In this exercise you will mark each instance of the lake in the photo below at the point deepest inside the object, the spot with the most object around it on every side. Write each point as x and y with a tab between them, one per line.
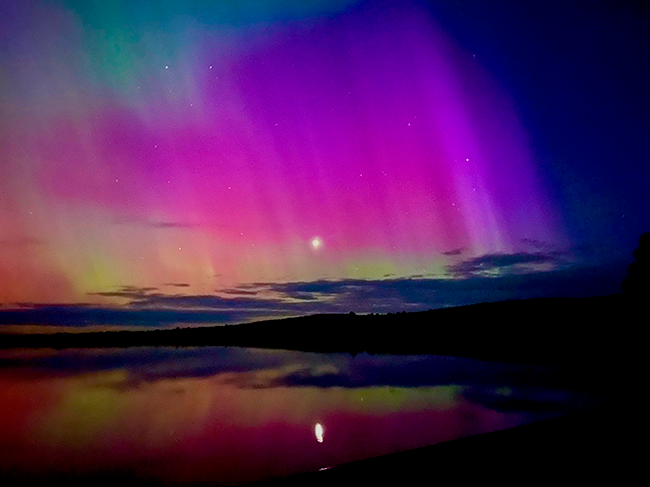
234	415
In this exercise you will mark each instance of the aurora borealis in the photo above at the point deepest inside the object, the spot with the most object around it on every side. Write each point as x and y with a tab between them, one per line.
261	155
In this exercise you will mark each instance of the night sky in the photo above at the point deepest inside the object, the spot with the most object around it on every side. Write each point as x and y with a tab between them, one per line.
198	162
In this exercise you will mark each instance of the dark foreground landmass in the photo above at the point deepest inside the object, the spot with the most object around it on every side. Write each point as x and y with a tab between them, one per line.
540	331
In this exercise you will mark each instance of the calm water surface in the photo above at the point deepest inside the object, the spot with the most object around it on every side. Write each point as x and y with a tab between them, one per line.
233	415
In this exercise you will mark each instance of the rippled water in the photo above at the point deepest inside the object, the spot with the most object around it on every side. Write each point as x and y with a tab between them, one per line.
212	414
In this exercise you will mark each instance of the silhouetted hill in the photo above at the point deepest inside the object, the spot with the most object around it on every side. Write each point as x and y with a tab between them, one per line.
548	331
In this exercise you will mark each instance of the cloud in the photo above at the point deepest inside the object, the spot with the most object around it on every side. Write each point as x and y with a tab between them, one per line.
453	252
240	292
498	264
86	315
173	225
537	244
127	292
156	223
495	277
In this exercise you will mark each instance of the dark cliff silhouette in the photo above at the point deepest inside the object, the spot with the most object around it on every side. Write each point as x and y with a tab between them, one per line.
637	283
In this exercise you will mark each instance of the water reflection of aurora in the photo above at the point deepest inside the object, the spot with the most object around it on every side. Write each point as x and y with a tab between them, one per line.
161	414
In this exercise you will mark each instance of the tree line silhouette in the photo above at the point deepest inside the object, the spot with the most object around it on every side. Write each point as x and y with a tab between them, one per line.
637	283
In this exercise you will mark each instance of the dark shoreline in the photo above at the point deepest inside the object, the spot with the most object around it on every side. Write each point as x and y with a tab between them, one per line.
586	447
582	447
551	331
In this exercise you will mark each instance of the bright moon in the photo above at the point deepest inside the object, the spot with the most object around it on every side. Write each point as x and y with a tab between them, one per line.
318	431
316	242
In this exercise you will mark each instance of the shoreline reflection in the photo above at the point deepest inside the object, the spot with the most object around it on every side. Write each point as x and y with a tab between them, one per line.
190	416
